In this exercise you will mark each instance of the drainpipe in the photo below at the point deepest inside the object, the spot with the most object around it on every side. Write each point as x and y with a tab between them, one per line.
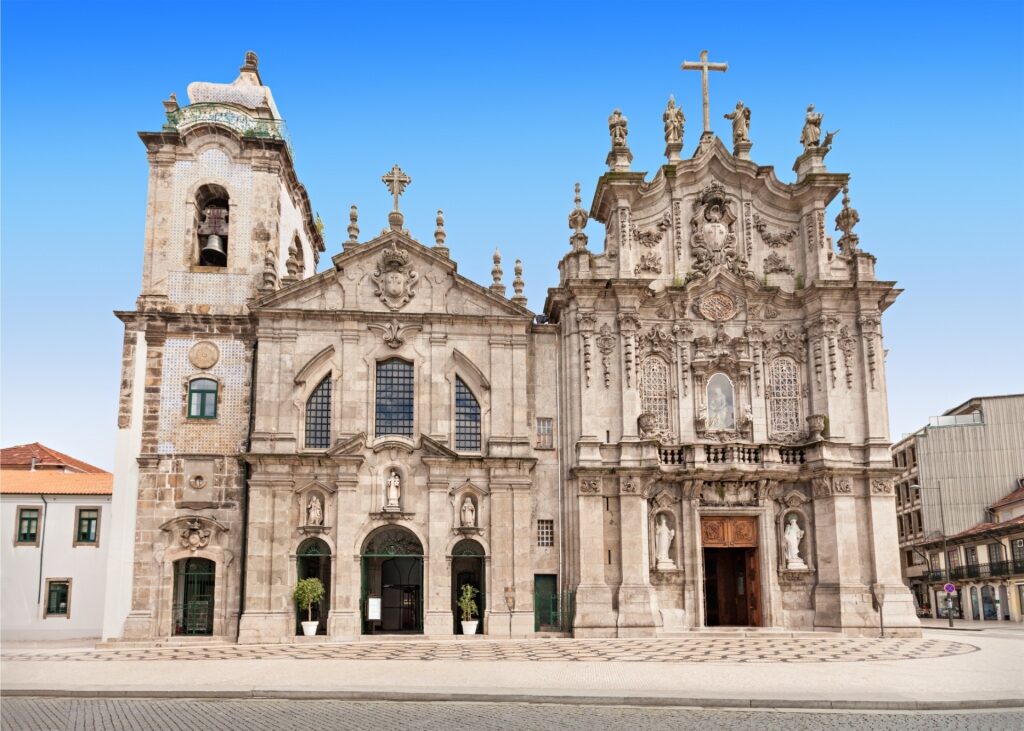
42	544
245	493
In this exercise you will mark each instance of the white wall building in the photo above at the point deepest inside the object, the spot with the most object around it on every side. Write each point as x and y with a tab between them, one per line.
53	531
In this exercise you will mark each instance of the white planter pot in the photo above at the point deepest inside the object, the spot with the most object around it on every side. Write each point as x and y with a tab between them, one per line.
469	628
309	628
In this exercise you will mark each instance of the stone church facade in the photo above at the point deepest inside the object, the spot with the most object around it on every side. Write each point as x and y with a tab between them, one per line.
693	433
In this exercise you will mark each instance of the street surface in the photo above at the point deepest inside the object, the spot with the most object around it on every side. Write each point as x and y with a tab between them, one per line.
58	714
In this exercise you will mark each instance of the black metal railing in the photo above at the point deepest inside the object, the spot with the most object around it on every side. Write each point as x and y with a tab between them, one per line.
990	570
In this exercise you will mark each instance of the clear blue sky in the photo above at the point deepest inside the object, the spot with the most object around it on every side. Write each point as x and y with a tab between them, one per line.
495	110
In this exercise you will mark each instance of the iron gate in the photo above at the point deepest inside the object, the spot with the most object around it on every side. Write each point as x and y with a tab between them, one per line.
193	596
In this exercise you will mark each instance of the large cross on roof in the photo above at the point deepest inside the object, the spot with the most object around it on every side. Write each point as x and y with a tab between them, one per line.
704	66
396	180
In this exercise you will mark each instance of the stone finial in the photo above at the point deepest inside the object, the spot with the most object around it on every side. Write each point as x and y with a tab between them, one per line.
674	123
496	286
250	71
171	103
577	220
620	157
440	235
353	225
269	283
252	61
845	221
518	284
292	265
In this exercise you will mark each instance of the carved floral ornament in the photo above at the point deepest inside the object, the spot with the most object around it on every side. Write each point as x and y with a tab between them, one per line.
393	333
881	487
204	355
590	486
394	278
716	306
827	485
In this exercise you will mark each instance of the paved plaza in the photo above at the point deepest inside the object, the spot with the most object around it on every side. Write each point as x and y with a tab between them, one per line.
49	714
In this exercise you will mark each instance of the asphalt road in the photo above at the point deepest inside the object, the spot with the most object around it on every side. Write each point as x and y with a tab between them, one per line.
60	714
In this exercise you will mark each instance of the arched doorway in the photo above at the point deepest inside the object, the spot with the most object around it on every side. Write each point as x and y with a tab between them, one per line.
468	568
313	560
988	603
193	596
392	582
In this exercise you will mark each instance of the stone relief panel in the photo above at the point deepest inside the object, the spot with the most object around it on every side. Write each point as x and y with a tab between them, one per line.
394	278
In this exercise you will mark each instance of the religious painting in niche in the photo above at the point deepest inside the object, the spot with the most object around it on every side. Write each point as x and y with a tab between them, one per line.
721	403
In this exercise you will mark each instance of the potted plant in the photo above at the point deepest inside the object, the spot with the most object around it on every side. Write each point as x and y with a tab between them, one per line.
468	608
307	593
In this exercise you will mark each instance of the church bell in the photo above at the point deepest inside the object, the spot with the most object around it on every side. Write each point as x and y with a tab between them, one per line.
214	253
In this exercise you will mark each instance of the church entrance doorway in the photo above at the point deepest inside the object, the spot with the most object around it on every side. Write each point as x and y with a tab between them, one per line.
314	561
392	582
193	596
732	586
468	568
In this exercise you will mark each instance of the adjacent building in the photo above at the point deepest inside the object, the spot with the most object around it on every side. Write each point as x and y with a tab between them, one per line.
55	524
692	434
955	475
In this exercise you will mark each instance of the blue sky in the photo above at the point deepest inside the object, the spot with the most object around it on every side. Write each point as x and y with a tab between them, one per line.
495	110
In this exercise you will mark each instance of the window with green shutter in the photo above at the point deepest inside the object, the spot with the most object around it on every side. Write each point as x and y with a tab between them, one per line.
58	597
28	525
88	526
202	399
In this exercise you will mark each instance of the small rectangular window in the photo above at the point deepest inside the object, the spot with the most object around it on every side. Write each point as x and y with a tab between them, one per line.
545	532
87	527
545	433
58	597
202	398
28	525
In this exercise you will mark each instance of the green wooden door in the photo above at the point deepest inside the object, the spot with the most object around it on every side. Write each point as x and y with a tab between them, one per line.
545	601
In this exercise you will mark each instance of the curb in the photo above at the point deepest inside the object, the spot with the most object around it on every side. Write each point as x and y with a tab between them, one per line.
579	700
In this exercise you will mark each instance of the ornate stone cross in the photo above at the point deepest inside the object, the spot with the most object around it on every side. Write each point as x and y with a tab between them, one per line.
396	180
703	66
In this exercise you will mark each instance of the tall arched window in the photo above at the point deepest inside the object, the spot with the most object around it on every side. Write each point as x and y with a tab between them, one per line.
467	418
654	391
318	416
784	397
394	398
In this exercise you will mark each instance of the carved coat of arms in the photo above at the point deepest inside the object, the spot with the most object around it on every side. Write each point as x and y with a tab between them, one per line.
394	278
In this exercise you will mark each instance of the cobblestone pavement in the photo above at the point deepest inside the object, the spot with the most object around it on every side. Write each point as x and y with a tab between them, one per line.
669	650
60	714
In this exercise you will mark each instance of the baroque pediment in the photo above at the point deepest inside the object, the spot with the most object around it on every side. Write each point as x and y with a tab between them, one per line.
392	274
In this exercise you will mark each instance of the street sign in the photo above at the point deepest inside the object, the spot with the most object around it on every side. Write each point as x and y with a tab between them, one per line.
949	588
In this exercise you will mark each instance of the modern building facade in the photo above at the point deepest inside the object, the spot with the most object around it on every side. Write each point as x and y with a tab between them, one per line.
694	433
952	474
54	553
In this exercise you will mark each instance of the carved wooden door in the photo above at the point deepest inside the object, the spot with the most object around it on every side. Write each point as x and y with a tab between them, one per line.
753	589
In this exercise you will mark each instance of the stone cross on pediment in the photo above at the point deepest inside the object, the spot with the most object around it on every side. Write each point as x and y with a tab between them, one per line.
396	181
704	66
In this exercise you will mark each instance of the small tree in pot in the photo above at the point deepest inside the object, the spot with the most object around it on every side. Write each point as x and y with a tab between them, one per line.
468	608
307	593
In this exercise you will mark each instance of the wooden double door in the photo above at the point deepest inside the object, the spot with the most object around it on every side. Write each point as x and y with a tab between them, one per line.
732	584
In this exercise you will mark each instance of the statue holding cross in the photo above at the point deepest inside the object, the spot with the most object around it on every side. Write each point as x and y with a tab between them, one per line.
704	66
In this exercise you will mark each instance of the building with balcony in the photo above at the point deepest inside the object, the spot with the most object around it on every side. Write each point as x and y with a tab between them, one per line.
971	455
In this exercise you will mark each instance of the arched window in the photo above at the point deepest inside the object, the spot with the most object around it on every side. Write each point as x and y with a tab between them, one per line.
202	398
784	397
654	392
467	418
212	225
318	416
394	398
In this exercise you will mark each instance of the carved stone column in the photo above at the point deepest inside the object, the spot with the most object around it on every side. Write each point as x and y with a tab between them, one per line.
638	605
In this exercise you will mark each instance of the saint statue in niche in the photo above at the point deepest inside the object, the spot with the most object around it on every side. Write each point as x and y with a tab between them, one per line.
393	493
315	512
663	536
468	514
721	407
793	535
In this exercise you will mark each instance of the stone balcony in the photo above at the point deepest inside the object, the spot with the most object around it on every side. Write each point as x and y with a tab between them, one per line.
236	118
745	457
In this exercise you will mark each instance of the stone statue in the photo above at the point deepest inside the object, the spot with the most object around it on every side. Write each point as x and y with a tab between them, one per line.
663	536
810	136
617	127
720	413
740	123
468	514
674	121
315	512
793	535
394	491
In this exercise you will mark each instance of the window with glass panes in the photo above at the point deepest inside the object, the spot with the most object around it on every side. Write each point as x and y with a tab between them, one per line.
88	524
318	416
467	418
28	525
202	398
545	532
58	598
545	433
394	398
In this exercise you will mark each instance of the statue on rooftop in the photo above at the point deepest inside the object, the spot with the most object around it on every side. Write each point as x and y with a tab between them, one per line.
740	123
810	136
618	128
674	121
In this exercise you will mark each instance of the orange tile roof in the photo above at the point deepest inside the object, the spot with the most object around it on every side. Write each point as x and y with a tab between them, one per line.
23	454
983	527
1013	497
55	483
